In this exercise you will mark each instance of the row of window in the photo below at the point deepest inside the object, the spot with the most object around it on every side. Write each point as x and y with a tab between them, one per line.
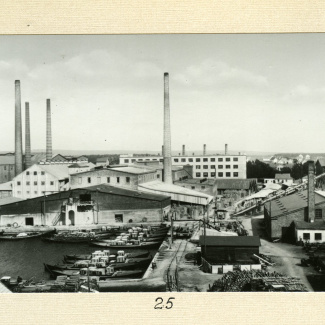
35	173
35	183
219	174
203	159
134	160
35	192
306	236
214	166
99	180
5	168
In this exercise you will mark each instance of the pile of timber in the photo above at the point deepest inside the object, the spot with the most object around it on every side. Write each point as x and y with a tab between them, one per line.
256	280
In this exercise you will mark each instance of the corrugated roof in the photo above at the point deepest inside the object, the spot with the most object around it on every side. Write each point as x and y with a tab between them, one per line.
132	170
197	181
234	184
283	176
290	203
60	171
105	188
241	241
317	225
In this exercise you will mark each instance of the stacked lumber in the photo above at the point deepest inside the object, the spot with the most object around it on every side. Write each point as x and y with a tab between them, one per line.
256	280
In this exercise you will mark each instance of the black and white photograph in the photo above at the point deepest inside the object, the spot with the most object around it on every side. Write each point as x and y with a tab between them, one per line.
162	163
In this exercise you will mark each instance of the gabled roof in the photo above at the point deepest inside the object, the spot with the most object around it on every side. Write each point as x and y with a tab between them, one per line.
10	199
317	225
230	241
7	160
59	171
287	204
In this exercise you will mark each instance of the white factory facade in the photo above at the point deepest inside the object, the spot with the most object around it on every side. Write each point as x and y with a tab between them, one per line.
204	166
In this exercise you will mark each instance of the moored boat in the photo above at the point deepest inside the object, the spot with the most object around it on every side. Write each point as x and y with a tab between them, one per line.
126	246
26	235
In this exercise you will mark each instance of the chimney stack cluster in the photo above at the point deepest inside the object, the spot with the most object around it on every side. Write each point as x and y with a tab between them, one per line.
18	132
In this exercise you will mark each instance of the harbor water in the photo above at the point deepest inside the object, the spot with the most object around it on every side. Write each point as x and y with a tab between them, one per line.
25	258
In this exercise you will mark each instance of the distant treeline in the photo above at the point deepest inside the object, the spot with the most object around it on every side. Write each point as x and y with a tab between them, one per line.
113	159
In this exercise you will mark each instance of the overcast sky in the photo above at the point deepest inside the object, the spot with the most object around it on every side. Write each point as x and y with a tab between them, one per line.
254	92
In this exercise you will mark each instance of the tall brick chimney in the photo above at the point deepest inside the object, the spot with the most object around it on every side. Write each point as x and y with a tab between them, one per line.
162	150
48	131
204	149
18	130
226	149
183	150
28	154
167	136
311	192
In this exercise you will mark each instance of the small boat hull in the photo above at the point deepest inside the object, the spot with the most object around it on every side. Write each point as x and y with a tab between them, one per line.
142	245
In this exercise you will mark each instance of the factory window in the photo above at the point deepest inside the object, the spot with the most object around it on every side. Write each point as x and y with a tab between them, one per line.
27	173
198	159
220	159
128	179
198	167
198	174
220	166
133	160
161	160
158	176
318	214
235	166
213	174
27	192
176	159
126	160
205	166
318	236
235	159
119	218
89	180
117	179
35	192
183	160
12	167
202	187
35	173
108	180
35	183
227	166
220	174
213	166
212	159
140	159
227	159
193	187
18	183
43	192
227	174
42	183
205	159
42	173
235	174
306	236
29	221
5	167
205	174
190	159
52	183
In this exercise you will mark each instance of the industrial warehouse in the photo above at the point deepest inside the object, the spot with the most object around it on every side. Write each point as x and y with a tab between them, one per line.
140	216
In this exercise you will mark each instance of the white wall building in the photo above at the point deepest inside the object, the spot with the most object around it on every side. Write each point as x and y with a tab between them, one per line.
204	166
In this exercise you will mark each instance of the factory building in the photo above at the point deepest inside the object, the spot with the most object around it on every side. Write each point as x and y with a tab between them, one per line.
204	166
100	204
7	167
120	176
291	216
5	190
66	159
39	180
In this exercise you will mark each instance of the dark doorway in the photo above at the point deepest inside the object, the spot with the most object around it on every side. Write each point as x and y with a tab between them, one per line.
71	217
29	221
119	218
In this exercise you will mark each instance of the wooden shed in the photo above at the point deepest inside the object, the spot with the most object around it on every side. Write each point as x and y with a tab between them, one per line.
230	250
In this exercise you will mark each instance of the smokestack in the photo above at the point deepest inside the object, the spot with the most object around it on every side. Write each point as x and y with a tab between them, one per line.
204	149
28	154
311	192
48	131
162	150
167	139
226	149
183	150
18	131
